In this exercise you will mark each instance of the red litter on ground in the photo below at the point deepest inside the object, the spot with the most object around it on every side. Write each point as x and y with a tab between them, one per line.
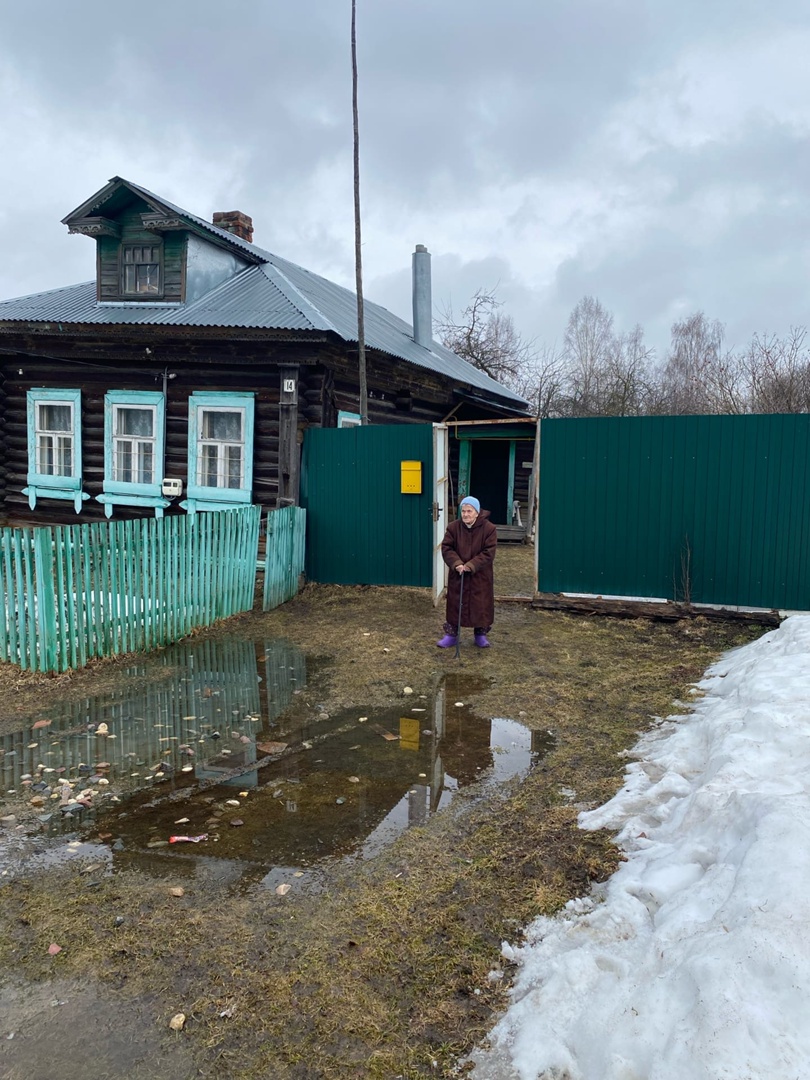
188	839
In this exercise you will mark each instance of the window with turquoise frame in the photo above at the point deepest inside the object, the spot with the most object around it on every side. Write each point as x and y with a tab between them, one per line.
134	442
349	419
220	450
54	446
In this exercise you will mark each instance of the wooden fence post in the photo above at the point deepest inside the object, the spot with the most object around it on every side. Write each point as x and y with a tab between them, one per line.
47	630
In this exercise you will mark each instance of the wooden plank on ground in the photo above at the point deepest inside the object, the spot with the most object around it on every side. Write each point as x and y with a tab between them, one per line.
645	609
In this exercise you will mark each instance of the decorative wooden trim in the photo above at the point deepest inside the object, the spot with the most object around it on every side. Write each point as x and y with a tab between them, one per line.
161	223
95	226
110	501
36	491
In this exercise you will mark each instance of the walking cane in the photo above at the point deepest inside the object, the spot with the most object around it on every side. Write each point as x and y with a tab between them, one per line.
458	627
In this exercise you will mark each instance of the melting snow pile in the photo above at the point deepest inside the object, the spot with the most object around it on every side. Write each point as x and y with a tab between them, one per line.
693	960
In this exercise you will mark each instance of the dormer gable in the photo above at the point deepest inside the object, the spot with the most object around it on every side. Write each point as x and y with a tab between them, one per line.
149	251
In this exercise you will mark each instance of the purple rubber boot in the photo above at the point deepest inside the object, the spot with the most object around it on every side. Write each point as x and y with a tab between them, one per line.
482	641
449	641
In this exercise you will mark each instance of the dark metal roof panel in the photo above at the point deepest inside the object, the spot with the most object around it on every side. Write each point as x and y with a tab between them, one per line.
383	330
69	304
276	296
248	300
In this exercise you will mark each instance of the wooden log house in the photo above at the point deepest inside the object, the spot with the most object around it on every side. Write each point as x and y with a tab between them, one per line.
184	377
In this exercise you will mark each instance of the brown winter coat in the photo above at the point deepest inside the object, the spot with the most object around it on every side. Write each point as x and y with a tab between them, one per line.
476	547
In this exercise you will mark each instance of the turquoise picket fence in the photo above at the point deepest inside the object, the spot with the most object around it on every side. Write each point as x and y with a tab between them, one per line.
72	593
284	558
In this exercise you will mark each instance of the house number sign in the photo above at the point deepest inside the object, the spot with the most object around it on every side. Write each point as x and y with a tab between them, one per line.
289	386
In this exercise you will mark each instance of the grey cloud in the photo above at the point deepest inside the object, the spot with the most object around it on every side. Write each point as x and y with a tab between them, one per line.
455	99
465	90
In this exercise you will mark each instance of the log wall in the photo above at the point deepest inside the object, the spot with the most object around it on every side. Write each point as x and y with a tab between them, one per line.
327	384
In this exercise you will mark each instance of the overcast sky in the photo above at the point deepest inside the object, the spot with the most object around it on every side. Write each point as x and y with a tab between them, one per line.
651	153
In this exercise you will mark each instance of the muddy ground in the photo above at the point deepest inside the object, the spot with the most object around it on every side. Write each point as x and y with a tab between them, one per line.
384	971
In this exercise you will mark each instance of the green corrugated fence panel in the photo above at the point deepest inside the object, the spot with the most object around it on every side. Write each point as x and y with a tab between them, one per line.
70	593
712	509
361	528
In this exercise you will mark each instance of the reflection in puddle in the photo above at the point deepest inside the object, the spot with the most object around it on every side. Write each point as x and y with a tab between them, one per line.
205	768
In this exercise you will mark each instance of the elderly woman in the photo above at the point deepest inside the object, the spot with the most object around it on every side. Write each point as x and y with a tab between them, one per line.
468	549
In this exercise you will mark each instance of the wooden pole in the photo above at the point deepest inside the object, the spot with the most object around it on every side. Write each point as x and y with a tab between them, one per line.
358	259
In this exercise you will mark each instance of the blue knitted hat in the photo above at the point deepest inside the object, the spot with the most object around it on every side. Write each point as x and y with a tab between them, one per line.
469	500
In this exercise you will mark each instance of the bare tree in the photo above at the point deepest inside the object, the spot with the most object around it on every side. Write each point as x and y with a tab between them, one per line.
771	375
778	373
587	347
486	337
728	385
689	377
626	386
608	374
542	382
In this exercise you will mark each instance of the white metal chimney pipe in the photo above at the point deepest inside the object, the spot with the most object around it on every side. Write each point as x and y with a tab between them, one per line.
422	297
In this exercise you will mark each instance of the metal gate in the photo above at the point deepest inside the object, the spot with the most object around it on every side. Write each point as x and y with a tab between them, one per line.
362	527
708	509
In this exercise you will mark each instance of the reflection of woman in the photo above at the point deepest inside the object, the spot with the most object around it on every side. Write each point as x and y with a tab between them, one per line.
468	549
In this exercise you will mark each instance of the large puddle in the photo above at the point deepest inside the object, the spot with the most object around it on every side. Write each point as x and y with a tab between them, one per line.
212	758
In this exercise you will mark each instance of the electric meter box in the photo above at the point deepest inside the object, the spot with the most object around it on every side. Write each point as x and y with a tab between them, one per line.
411	473
172	489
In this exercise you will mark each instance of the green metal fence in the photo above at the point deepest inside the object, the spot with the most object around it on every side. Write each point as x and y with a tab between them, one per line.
708	509
362	528
284	556
71	593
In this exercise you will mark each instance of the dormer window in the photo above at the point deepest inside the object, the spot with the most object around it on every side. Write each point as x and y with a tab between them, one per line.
141	270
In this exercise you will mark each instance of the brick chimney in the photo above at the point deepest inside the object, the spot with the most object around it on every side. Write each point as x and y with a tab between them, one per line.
234	221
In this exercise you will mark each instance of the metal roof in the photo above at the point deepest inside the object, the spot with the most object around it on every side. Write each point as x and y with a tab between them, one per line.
275	295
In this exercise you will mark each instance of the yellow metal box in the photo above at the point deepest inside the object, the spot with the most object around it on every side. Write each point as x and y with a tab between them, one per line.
411	477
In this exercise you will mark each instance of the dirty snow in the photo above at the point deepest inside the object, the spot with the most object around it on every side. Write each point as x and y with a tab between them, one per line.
693	960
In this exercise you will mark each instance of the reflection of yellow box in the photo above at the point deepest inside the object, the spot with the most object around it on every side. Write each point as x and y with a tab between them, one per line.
409	733
411	477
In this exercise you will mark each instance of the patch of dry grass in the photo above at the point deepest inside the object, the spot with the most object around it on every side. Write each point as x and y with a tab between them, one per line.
384	972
